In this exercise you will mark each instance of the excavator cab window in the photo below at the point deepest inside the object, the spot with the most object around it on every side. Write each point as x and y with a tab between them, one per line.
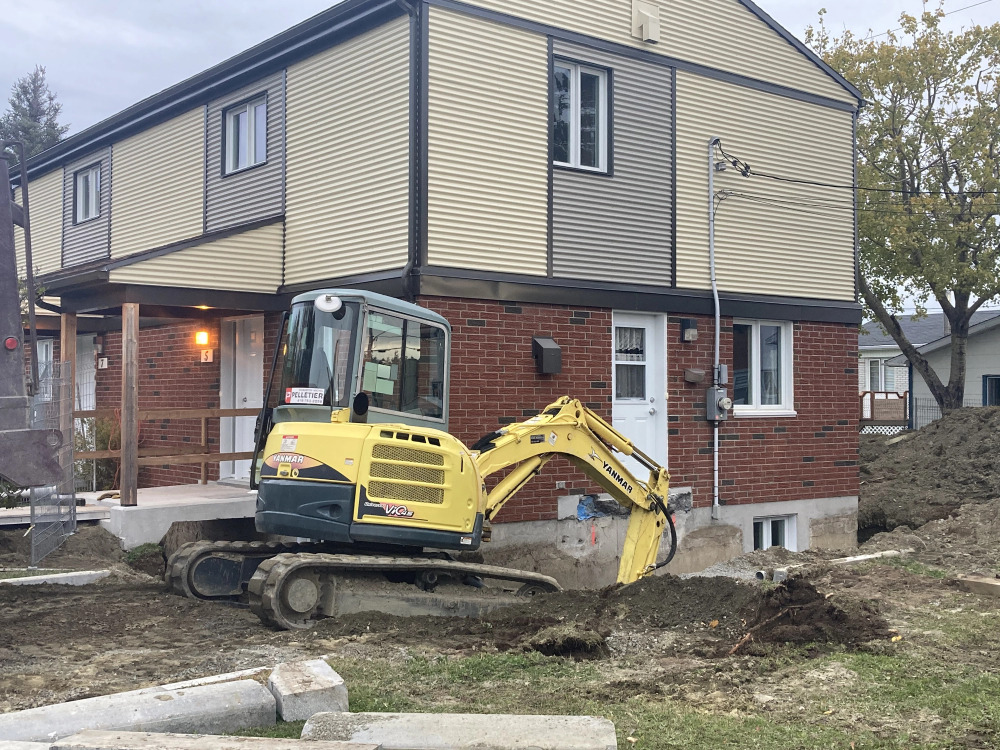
403	365
319	359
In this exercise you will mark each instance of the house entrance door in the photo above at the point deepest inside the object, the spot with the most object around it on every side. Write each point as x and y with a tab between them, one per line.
241	387
639	408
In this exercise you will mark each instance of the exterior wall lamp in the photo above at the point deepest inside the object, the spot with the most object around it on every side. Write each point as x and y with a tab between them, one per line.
201	338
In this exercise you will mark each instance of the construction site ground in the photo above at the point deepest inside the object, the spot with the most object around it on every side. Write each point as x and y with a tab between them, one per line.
886	654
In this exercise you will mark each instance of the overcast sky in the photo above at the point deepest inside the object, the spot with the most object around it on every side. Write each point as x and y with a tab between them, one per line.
103	55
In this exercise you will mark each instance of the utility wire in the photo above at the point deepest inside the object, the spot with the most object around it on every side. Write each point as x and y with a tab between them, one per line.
950	12
747	171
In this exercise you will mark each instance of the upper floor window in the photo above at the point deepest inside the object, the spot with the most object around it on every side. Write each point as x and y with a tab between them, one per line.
245	140
762	368
580	116
87	190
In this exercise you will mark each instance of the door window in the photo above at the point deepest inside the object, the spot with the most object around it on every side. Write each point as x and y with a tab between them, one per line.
630	363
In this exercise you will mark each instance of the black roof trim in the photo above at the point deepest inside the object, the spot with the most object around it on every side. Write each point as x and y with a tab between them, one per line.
346	19
791	39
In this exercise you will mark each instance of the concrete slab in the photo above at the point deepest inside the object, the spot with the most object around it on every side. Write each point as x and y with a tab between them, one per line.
465	731
304	688
980	585
13	745
158	507
75	578
22	516
97	740
227	707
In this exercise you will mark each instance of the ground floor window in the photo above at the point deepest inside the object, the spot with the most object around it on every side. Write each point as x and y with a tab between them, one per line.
774	531
991	390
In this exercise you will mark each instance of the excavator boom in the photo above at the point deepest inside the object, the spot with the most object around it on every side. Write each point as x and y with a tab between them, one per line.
568	428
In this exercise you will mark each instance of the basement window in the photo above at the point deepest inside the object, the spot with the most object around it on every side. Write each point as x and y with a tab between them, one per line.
774	531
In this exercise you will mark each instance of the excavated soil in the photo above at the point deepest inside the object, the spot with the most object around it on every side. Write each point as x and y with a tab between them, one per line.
931	473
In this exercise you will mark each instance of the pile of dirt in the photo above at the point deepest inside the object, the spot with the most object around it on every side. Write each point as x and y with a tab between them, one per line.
708	616
930	474
795	612
90	547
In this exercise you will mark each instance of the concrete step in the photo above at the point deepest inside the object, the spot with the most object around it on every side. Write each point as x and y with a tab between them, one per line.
464	731
210	709
95	740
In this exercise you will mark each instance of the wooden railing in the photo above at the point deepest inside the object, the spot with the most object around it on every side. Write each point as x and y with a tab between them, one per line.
195	454
885	407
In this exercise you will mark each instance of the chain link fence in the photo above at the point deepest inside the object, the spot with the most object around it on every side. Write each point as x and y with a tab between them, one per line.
53	508
926	410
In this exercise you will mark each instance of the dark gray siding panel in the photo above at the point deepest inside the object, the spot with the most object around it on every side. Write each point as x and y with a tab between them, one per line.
254	193
619	227
87	241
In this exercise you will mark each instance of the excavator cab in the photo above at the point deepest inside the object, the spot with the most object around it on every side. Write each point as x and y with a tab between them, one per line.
356	449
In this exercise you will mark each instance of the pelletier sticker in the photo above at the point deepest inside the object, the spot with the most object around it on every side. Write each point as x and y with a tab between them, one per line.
313	396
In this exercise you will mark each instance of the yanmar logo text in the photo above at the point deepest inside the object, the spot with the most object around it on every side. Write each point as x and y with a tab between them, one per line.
288	458
617	477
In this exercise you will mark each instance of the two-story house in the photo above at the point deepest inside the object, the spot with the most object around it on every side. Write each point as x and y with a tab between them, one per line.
526	168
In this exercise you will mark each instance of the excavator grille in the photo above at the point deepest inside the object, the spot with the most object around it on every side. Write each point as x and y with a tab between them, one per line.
408	455
408	465
413	493
407	473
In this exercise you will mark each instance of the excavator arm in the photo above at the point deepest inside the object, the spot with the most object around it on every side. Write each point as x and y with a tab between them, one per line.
568	428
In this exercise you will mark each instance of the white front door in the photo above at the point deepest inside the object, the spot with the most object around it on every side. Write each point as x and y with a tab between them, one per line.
241	387
639	409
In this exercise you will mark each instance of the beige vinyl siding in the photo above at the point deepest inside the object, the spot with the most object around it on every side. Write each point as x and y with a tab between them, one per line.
45	199
347	189
157	188
248	262
487	146
720	34
782	247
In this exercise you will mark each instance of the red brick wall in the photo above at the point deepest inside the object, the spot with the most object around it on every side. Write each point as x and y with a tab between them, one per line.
494	381
171	376
813	455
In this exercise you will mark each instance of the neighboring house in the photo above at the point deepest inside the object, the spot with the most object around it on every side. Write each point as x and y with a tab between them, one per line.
524	167
877	349
982	368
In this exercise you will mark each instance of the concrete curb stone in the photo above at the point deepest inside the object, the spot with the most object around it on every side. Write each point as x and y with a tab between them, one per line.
225	707
304	688
96	740
465	731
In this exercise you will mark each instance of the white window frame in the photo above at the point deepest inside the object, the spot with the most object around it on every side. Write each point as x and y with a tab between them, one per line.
791	543
231	145
574	128
786	408
87	194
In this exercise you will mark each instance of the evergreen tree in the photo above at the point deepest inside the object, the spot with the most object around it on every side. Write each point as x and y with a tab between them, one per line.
33	114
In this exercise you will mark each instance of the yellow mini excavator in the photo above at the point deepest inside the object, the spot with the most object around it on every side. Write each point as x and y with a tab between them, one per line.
356	459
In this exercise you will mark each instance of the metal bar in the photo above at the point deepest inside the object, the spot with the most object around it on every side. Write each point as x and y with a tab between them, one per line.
174	415
29	270
204	445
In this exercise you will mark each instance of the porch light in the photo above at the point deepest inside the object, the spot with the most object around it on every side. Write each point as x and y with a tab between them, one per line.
201	338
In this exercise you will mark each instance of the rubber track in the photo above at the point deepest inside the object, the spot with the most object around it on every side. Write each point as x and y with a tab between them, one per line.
184	558
265	585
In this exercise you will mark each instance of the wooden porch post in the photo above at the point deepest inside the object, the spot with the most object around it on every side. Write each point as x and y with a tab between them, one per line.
130	404
67	353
